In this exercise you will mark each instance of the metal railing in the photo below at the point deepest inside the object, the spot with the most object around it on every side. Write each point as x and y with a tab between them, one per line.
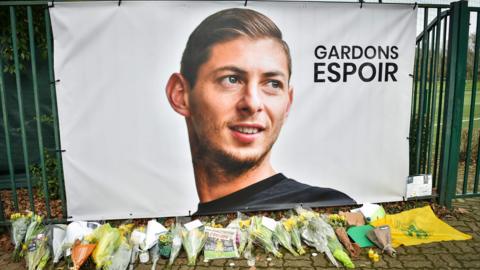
30	137
29	133
445	83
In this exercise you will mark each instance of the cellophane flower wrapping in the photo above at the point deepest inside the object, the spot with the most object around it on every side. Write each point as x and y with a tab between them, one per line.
284	238
263	237
193	241
333	244
248	252
176	243
38	252
137	239
80	253
292	226
34	228
241	224
314	231
121	257
108	241
57	234
165	244
19	229
155	255
338	252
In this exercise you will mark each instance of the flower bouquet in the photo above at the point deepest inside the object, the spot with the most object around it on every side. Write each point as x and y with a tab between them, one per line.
263	237
338	252
283	237
313	232
241	224
108	240
34	228
176	242
333	244
80	253
339	222
19	229
165	244
38	252
292	226
155	255
137	238
56	236
121	257
193	241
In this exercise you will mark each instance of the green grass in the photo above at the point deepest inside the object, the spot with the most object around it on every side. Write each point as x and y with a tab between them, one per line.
466	105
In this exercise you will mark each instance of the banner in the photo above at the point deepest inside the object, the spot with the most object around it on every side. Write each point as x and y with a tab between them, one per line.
341	112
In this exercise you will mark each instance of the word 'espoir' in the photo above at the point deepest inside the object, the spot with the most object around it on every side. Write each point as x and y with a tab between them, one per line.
370	63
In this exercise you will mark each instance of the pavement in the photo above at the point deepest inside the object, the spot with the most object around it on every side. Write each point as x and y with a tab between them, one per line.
441	255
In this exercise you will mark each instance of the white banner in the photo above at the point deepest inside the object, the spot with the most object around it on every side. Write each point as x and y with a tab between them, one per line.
127	151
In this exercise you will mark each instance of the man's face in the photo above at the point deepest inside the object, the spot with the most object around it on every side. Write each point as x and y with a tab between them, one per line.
240	100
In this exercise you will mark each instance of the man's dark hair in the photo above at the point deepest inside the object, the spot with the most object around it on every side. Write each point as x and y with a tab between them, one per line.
223	26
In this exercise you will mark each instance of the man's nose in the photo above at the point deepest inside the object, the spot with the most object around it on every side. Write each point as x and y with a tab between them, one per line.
251	101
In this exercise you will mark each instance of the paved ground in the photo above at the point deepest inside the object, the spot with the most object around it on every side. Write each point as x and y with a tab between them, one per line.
444	255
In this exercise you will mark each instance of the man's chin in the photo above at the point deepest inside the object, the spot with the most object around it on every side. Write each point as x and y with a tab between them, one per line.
239	163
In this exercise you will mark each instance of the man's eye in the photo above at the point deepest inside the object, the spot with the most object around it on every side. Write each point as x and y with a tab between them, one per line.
275	84
231	80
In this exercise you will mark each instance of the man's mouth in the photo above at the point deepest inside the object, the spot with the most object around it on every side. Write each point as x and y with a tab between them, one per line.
246	130
246	133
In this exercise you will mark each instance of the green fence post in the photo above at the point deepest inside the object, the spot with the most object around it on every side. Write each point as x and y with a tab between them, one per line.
456	75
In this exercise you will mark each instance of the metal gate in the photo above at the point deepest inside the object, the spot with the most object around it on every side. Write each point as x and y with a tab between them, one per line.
444	129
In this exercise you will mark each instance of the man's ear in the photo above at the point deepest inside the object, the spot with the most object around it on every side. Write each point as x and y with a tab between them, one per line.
177	90
290	100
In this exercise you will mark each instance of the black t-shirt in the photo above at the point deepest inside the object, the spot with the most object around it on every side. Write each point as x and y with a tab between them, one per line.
274	193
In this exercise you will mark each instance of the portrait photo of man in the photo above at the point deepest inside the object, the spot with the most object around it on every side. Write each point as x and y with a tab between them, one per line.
234	91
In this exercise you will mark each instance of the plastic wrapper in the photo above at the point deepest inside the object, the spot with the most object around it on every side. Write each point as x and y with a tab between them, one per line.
56	235
337	250
176	243
37	251
292	226
109	240
248	252
241	224
153	231
121	257
154	255
263	237
34	229
78	230
165	244
19	230
284	238
137	238
80	253
220	243
314	232
193	241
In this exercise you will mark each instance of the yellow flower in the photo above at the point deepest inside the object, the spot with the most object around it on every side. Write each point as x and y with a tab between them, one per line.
244	223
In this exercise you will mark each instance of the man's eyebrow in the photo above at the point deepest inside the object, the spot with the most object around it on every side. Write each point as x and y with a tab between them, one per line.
230	68
241	71
275	74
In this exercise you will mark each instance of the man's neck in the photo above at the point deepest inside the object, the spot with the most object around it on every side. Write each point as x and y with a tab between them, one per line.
213	183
